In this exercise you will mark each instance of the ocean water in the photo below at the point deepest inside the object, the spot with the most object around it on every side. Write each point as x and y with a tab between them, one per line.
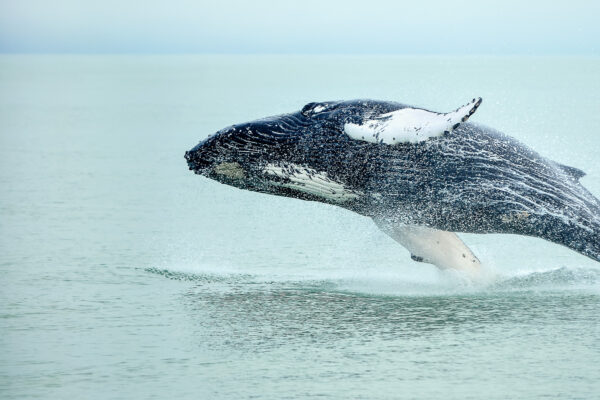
125	276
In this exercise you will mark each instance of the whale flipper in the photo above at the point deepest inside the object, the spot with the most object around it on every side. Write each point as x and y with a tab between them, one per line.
410	124
443	249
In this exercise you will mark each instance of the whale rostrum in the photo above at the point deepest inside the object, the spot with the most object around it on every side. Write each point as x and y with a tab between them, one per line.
422	176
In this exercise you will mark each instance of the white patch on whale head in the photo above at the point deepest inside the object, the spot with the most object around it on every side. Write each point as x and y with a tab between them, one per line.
310	181
231	170
409	124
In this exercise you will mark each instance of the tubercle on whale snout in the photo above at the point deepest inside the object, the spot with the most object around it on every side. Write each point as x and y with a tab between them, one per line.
190	162
195	163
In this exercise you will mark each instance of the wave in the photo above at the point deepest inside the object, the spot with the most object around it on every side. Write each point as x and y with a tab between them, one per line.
395	283
559	278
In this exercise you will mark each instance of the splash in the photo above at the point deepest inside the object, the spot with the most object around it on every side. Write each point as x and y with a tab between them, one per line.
396	282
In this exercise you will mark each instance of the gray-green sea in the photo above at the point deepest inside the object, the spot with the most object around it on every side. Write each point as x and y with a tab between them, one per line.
125	276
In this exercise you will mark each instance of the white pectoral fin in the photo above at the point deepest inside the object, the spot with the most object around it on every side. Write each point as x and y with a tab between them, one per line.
410	124
443	249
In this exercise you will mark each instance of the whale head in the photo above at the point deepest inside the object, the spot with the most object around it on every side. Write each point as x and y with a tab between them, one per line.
240	155
304	155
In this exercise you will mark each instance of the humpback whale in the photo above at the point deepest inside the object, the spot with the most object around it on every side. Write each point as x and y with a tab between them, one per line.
422	176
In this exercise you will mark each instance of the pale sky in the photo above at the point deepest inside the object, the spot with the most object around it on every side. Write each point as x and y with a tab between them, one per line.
307	26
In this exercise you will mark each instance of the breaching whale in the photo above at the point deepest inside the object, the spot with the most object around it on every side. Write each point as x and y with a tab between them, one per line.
420	175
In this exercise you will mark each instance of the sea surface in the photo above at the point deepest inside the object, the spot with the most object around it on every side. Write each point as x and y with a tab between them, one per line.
125	276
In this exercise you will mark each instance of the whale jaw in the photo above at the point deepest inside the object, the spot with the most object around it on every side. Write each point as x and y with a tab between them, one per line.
309	181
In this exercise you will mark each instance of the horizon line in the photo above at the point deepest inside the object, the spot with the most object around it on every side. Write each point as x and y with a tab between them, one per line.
424	54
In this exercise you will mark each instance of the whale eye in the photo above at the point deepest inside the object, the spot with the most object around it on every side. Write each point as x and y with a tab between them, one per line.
313	108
